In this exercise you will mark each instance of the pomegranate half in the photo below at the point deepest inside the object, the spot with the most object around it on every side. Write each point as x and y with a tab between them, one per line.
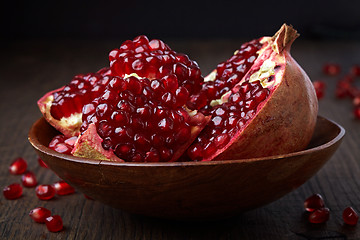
271	110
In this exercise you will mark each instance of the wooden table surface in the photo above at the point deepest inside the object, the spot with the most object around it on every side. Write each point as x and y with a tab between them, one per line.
28	69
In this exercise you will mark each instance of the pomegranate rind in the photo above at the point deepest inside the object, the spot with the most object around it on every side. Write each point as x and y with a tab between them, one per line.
286	120
69	126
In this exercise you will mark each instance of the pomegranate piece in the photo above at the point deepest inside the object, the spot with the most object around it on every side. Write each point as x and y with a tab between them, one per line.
28	179
319	215
40	214
45	192
42	163
155	60
62	144
62	188
18	166
262	101
331	69
319	88
350	216
62	107
138	120
13	191
314	202
54	223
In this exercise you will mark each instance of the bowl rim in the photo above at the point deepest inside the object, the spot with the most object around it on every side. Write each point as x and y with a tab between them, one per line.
40	147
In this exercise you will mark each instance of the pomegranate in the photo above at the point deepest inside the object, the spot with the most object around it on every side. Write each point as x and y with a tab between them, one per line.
40	214
45	191
54	223
350	216
18	166
320	215
62	107
314	202
274	102
62	144
63	188
13	191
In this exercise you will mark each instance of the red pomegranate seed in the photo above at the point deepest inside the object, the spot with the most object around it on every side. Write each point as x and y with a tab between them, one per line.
313	203
28	179
319	89
355	70
331	69
18	166
350	216
319	215
45	192
54	223
42	163
13	191
40	214
62	188
357	112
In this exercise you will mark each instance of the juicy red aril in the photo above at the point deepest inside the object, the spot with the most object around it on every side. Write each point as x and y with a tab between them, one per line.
314	202
230	72
13	191
45	192
42	163
227	119
319	215
40	214
62	188
155	60
28	179
137	126
331	69
80	91
319	89
350	216
61	144
54	223
18	166
357	112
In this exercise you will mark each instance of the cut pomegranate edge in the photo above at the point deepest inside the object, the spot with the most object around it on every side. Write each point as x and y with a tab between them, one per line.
275	51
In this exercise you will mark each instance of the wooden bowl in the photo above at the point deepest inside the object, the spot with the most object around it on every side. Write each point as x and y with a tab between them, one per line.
190	190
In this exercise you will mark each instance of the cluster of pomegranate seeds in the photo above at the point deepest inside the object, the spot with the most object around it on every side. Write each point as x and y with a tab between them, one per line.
45	191
40	214
62	144
18	166
139	119
80	91
13	191
227	119
350	216
229	73
43	215
63	188
28	179
320	87
155	60
319	213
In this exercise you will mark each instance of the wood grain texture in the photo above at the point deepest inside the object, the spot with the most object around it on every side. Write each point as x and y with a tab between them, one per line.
28	69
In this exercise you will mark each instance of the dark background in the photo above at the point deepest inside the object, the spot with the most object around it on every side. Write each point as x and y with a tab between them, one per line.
112	19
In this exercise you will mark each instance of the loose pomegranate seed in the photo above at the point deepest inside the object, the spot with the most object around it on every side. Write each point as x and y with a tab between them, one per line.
40	214
350	216
319	215
356	101
331	69
62	188
355	70
319	89
13	191
42	163
18	166
28	179
54	223
45	192
314	202
357	112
